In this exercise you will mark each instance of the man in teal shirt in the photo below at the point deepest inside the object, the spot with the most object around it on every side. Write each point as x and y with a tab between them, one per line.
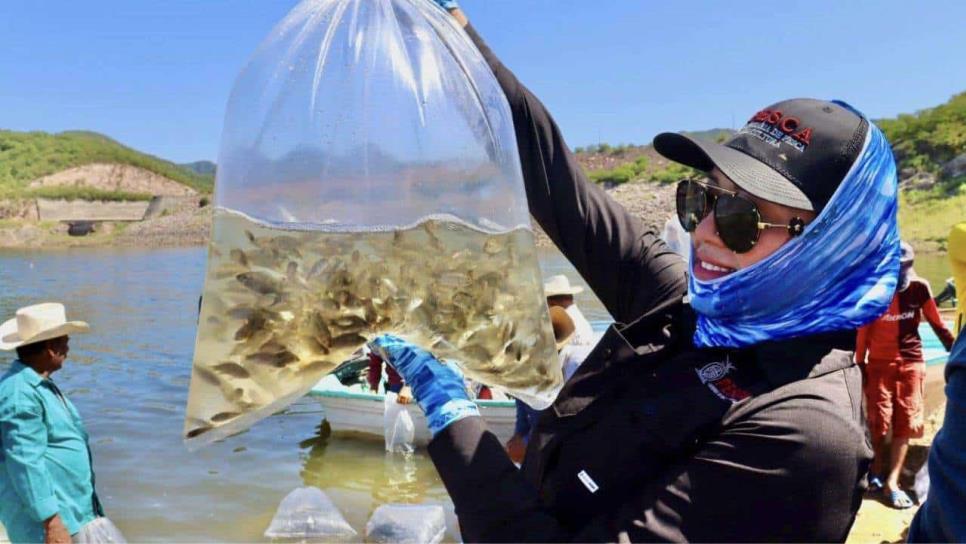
46	474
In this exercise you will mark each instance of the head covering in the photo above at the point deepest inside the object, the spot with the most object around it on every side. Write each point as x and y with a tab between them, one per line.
906	254
37	323
839	274
906	257
563	326
792	153
559	285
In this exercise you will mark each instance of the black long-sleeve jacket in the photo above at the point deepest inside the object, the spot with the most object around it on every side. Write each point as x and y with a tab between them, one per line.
652	438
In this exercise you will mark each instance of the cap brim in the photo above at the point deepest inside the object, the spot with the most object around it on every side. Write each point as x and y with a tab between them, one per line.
9	339
748	173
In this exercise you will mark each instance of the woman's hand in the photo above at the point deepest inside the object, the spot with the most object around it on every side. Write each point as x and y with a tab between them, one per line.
454	9
438	387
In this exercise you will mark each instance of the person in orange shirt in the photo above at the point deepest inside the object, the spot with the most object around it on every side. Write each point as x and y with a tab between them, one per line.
890	351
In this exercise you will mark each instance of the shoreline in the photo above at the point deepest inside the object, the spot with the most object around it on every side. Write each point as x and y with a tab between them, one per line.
190	226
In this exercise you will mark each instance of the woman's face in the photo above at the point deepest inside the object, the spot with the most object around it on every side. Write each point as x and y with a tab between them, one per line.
712	259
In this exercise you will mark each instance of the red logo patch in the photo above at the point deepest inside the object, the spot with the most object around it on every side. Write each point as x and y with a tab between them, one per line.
789	126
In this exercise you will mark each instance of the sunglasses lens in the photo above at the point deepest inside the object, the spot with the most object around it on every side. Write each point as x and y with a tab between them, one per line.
692	204
737	222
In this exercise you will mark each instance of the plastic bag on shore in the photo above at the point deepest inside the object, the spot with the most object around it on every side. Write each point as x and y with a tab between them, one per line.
99	531
921	485
368	182
308	515
400	432
407	523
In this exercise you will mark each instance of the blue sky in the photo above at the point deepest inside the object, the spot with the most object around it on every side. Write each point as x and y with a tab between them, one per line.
155	74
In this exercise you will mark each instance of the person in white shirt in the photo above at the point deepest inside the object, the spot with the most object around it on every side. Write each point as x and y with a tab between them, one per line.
560	293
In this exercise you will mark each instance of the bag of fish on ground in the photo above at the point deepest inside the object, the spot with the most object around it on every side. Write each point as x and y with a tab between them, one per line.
307	514
407	523
368	182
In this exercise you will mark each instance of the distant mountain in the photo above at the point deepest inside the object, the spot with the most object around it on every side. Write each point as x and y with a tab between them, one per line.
714	134
204	168
27	156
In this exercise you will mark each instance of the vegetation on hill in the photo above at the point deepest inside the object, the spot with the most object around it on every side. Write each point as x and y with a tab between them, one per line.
26	156
205	168
71	192
928	139
924	144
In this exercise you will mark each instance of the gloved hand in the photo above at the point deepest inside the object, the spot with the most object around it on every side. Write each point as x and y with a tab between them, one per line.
438	387
447	4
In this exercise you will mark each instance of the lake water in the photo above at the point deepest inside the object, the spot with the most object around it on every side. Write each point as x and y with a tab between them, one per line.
129	379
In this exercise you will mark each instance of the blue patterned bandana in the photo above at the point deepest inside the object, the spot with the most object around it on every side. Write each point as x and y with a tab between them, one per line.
839	274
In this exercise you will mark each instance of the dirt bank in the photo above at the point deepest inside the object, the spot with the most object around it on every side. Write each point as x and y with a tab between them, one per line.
190	226
184	224
115	177
187	225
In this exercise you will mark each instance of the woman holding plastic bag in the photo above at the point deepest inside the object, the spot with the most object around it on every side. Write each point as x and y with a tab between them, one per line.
730	415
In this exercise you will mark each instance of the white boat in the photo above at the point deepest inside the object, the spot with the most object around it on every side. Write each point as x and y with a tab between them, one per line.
353	410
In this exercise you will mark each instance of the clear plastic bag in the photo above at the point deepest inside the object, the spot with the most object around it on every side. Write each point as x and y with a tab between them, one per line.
400	432
676	238
407	523
921	485
99	531
368	182
308	515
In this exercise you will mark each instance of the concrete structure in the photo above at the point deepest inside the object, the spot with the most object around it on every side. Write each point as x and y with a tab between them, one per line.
19	209
82	210
161	204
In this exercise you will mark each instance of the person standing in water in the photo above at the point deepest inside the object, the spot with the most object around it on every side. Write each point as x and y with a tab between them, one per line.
890	351
46	474
724	404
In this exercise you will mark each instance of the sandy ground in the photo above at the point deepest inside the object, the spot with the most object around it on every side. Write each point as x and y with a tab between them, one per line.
877	522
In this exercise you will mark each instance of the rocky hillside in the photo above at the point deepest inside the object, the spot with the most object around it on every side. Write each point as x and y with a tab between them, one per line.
86	164
930	146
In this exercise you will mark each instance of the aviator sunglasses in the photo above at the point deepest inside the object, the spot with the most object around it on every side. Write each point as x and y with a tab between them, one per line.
736	218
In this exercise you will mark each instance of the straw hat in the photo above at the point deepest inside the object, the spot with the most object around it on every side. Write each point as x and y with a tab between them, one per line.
906	254
563	326
560	285
38	323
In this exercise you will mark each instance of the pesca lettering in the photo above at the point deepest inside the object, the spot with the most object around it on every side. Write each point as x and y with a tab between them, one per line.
788	125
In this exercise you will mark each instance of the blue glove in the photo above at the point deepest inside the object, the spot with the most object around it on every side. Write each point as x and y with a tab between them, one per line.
438	387
447	4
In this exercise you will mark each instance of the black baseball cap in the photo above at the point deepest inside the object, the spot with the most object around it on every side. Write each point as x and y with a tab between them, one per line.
793	153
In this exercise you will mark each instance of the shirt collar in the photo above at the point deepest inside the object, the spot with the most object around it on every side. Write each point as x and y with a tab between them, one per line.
785	361
29	374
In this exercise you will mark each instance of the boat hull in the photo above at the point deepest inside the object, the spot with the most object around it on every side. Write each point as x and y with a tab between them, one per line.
360	413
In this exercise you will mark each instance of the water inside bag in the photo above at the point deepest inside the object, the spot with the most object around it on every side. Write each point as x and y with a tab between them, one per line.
368	182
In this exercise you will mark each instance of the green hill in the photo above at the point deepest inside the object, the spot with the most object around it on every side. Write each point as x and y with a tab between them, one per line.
926	144
927	140
26	156
205	168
